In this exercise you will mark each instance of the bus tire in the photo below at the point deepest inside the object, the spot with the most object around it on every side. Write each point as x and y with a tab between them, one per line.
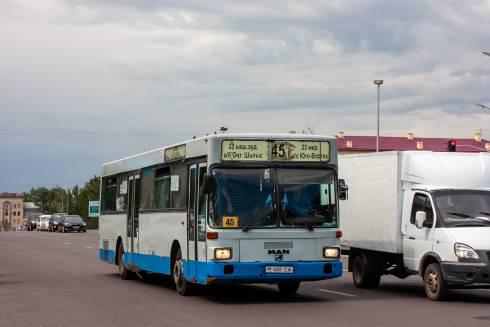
124	272
182	286
435	285
288	288
361	276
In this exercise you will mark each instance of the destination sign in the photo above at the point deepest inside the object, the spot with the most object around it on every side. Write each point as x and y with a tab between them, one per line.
305	151
244	150
175	153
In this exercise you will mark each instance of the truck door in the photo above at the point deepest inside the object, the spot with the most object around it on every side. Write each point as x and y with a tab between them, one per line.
418	241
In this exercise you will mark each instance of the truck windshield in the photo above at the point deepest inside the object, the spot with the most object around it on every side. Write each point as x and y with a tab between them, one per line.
463	208
248	198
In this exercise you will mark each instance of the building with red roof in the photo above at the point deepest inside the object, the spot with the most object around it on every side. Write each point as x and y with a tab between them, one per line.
356	144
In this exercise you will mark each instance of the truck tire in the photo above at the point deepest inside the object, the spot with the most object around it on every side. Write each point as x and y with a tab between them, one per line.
361	276
436	287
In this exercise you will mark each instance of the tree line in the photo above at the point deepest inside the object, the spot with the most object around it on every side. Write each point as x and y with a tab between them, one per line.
73	201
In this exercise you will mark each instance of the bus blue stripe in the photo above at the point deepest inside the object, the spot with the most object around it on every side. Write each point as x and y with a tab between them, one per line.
244	272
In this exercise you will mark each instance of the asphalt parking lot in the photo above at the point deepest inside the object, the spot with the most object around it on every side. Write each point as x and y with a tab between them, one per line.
52	279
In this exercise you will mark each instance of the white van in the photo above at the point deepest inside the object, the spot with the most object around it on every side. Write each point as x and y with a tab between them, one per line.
43	222
418	213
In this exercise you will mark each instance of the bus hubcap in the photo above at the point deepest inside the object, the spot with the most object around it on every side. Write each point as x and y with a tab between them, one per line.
178	272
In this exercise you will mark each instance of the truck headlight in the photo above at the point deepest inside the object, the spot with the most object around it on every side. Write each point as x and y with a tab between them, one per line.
464	251
331	253
222	254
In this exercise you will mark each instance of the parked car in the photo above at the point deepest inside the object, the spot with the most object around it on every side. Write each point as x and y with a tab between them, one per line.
72	223
32	223
55	221
42	224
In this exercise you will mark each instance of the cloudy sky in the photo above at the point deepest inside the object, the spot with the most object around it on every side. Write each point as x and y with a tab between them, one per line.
83	81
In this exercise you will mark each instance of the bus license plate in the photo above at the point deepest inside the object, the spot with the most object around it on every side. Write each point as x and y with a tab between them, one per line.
279	269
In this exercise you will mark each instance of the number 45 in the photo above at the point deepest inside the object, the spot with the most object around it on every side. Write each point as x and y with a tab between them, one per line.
278	150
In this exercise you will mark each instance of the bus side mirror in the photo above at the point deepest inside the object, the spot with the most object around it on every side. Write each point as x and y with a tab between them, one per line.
343	190
209	183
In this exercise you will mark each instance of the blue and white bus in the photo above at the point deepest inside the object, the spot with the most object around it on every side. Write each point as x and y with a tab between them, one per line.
237	208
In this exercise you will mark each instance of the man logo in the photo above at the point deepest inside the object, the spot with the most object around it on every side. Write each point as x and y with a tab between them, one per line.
278	251
279	257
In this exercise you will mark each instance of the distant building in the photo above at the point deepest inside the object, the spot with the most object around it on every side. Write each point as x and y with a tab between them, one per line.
12	206
359	144
31	210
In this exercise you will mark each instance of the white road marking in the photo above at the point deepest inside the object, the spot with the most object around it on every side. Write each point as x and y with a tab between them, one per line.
336	292
66	243
89	247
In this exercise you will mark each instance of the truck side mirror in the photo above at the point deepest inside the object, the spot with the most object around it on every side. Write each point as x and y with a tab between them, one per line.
209	183
343	190
420	217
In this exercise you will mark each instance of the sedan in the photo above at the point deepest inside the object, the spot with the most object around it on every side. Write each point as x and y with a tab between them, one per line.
72	223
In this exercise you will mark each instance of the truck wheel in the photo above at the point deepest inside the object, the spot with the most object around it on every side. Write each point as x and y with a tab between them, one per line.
124	272
361	277
182	286
288	288
435	285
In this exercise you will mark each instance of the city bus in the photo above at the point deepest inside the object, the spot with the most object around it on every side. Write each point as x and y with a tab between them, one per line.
225	208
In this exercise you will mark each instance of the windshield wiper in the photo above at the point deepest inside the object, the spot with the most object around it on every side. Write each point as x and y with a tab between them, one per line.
486	219
308	226
254	218
485	213
469	224
459	214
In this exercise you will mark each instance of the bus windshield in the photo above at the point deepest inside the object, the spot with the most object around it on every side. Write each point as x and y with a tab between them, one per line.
249	198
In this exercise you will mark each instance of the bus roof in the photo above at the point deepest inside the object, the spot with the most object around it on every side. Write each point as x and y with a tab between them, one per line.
196	147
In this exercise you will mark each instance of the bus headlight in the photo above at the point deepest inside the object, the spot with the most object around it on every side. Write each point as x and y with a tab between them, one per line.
331	253
464	251
222	254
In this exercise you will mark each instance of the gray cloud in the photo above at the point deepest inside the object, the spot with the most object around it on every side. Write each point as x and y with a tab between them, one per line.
181	68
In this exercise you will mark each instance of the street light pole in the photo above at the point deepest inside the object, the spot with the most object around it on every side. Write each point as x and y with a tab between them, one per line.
378	83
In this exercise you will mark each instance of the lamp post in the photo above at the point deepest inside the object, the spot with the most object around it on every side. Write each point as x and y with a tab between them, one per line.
378	83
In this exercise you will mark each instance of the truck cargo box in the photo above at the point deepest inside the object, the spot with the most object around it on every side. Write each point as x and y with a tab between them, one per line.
371	217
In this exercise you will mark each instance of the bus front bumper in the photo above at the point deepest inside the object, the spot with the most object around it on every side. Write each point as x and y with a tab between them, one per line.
255	272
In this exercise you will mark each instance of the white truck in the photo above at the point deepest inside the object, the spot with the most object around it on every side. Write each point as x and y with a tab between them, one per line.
418	212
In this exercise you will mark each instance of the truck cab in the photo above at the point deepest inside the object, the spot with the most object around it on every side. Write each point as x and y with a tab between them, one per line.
448	228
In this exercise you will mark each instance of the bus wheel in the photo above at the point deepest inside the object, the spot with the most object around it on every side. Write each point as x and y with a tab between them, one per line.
124	272
288	288
182	286
435	285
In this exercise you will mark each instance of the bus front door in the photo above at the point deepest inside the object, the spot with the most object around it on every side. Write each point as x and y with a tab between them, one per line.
133	214
196	225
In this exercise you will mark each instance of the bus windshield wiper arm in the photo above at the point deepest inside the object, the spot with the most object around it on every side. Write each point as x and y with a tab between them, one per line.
253	219
308	226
